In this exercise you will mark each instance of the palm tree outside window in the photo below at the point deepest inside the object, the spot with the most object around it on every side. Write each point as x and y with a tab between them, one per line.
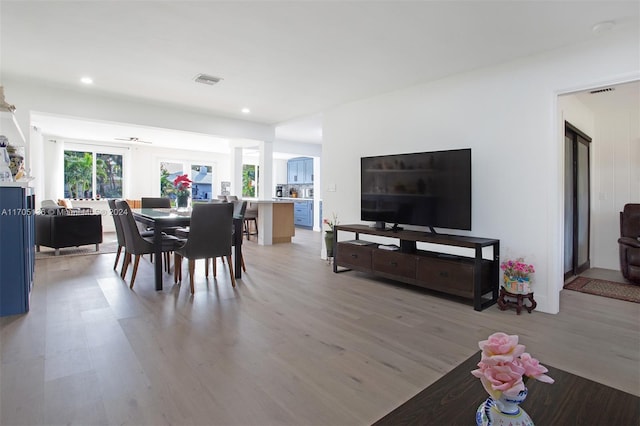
89	174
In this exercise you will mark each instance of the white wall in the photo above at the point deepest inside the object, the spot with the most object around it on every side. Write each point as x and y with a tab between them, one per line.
507	115
615	182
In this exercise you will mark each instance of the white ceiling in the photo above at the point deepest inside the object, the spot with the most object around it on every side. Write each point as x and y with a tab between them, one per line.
283	60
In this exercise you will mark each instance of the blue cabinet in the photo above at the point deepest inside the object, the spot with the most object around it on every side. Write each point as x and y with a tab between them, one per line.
300	170
17	248
303	213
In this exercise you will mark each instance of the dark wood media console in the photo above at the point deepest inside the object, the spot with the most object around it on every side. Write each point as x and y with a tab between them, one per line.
473	278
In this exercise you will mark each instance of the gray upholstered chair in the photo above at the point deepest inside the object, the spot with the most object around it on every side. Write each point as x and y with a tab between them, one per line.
119	233
251	215
155	203
136	244
209	237
629	242
239	209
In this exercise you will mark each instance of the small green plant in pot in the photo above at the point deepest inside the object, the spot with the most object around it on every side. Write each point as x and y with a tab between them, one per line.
328	236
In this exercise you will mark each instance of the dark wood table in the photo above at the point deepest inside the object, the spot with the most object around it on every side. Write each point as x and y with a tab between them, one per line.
571	400
161	219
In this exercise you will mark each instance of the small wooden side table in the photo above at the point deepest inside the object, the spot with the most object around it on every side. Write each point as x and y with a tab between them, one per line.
505	302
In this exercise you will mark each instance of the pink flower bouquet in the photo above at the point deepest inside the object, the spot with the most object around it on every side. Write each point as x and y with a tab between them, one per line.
504	362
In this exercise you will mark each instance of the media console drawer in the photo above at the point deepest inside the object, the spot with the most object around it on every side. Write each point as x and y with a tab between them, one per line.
396	263
354	256
454	277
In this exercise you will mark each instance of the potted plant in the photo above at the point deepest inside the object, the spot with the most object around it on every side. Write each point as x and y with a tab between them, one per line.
328	236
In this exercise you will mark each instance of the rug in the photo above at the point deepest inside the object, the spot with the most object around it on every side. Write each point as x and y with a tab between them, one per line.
628	292
105	247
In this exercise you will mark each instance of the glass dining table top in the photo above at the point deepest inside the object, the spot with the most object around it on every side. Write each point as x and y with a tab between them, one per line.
157	213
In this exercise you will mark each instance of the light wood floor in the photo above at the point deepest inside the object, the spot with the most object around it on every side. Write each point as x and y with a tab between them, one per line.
293	344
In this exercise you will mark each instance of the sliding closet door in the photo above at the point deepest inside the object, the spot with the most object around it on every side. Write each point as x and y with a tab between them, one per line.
577	201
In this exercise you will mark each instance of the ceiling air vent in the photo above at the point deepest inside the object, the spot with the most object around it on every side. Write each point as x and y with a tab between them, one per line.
207	79
606	89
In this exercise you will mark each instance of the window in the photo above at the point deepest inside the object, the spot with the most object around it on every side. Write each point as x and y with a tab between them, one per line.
90	172
200	174
201	188
168	172
249	180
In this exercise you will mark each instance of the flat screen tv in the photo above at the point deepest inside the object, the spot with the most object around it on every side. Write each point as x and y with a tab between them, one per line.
431	189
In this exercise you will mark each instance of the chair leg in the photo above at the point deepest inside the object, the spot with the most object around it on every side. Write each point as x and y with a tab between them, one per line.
135	270
125	266
233	277
206	266
242	261
215	268
192	269
167	261
177	268
124	259
115	264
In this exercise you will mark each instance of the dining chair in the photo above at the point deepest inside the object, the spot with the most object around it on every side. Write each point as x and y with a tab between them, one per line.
136	244
251	215
155	203
209	237
119	233
158	203
239	211
239	208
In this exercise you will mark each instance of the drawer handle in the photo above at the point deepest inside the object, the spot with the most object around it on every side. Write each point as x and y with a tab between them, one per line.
394	263
355	256
444	274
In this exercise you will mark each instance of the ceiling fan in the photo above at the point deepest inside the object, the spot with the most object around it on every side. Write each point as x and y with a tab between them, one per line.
132	139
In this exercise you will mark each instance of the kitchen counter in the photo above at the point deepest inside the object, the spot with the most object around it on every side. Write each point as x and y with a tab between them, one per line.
275	221
292	199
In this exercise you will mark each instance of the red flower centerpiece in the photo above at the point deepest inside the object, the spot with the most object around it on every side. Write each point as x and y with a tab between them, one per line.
181	186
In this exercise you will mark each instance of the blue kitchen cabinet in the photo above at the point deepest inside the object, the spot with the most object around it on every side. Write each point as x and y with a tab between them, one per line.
300	170
303	213
17	248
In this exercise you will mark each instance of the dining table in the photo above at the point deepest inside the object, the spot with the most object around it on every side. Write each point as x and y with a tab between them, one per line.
162	218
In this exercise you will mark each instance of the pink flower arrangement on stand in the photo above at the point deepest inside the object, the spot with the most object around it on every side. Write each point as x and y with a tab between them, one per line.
503	364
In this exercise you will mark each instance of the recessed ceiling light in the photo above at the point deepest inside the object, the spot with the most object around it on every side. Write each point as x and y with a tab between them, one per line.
86	80
246	110
603	27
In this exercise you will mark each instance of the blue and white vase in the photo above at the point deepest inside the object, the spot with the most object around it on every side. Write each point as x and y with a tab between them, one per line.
504	411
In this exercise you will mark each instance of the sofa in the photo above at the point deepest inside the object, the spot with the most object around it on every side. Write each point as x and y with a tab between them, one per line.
58	227
629	242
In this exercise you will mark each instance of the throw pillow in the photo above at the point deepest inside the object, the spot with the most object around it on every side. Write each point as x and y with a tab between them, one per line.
65	203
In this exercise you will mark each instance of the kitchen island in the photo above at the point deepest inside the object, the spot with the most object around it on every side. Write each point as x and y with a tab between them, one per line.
275	222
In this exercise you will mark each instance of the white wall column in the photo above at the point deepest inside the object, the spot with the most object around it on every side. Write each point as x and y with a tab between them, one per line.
236	171
265	188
